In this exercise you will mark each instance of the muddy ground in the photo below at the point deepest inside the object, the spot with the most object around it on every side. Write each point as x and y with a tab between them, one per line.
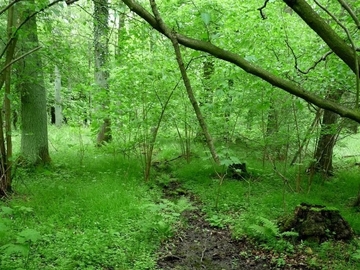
200	246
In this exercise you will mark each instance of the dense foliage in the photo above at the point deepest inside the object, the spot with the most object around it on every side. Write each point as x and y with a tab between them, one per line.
269	87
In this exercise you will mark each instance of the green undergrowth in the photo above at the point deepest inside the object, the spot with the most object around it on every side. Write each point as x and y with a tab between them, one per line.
251	207
89	210
92	210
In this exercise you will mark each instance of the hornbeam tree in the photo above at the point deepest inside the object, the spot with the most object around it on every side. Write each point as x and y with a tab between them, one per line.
345	51
34	136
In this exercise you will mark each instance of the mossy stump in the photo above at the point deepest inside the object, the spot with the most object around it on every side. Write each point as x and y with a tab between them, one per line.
238	171
318	223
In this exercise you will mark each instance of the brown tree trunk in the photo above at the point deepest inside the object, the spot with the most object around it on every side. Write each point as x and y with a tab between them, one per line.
328	134
187	84
337	43
208	70
5	139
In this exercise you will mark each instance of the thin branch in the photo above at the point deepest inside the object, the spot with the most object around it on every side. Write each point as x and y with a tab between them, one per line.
254	69
25	21
172	36
263	15
9	6
322	58
69	2
357	73
19	58
351	12
283	177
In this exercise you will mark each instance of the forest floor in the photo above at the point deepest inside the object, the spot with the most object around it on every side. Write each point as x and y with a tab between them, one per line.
198	245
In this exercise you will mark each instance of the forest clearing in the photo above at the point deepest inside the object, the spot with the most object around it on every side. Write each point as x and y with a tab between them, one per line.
179	134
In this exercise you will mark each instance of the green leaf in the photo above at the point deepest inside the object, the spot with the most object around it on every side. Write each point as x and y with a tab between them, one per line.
30	234
3	228
10	249
226	162
7	210
206	18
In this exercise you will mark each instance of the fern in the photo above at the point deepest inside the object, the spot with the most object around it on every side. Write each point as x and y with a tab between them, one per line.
266	229
271	227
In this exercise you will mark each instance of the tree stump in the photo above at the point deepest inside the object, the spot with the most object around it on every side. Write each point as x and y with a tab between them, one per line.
238	171
318	223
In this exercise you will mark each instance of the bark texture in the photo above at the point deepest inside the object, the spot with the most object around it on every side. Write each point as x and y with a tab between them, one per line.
5	139
324	30
34	136
328	134
101	53
58	109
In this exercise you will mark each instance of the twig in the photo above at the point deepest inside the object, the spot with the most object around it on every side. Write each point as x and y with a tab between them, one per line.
352	46
351	12
349	156
263	15
9	6
284	178
202	254
19	58
322	58
24	22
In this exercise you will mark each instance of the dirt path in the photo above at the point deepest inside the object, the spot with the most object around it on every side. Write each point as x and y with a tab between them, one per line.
200	246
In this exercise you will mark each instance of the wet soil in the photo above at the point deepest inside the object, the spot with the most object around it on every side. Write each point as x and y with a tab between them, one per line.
197	245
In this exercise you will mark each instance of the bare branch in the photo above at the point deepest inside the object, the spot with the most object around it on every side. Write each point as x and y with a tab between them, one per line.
172	36
351	12
69	2
356	59
322	58
24	22
9	6
248	67
336	43
263	15
19	58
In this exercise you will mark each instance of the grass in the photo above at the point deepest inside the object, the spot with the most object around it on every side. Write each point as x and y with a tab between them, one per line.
92	210
239	204
89	210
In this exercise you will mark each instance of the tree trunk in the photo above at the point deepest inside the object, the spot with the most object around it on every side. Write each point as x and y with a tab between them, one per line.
5	139
34	136
58	112
208	71
251	68
187	84
272	126
101	42
329	131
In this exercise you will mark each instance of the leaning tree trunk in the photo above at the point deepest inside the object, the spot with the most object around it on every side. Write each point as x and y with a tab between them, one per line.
329	130
101	41
34	135
187	84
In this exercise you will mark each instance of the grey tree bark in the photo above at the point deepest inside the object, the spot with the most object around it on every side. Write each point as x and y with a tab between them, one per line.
58	109
34	135
101	53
